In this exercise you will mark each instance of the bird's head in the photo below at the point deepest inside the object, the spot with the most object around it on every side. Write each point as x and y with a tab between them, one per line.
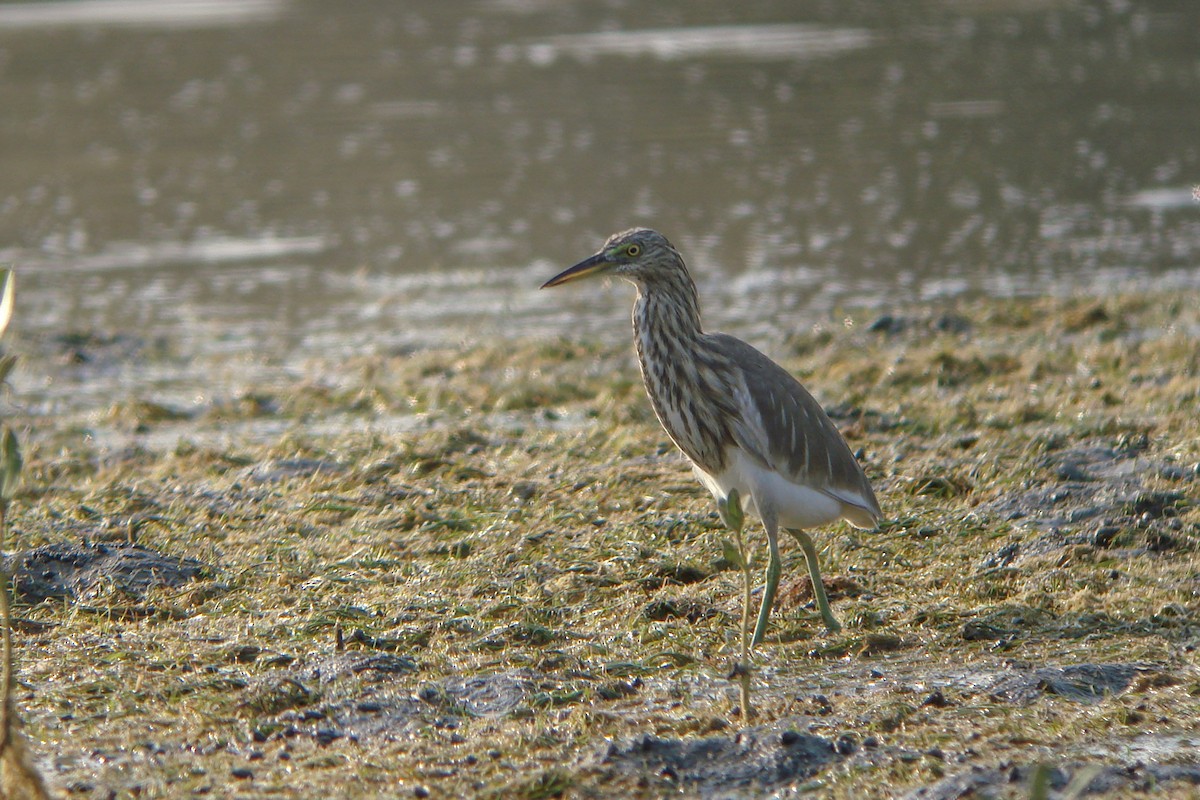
639	255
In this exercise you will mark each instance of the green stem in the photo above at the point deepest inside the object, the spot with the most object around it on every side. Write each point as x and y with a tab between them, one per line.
6	678
747	596
747	601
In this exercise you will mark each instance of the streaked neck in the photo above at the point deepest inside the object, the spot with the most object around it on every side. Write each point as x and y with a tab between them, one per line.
678	373
667	311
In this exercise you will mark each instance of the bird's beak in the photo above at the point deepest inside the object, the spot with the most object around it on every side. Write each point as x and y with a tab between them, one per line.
589	266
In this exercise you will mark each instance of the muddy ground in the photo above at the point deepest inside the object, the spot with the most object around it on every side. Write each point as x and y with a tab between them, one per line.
485	572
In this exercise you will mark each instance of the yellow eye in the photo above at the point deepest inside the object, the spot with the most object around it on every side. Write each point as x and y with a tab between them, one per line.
633	250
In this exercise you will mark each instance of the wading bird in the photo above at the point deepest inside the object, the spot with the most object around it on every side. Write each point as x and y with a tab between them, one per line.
742	420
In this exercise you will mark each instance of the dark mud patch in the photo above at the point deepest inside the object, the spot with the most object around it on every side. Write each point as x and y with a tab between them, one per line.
1084	683
945	322
365	696
365	667
387	709
1016	781
496	695
79	571
285	469
1114	765
356	695
1101	496
742	764
1021	683
97	350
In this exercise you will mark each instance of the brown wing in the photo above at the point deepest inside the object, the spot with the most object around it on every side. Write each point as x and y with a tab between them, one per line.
793	435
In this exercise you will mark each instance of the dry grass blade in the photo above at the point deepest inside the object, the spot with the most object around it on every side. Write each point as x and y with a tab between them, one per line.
19	779
730	510
7	294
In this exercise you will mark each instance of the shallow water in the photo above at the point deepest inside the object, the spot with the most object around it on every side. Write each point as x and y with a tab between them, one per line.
264	181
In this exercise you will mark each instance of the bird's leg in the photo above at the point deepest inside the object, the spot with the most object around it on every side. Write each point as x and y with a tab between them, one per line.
814	574
730	509
774	567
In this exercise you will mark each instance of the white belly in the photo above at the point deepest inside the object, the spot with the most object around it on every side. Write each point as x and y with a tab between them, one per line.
798	506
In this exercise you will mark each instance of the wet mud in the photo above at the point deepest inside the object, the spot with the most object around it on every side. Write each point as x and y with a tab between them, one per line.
1013	780
724	766
374	696
82	571
367	697
1097	494
1083	683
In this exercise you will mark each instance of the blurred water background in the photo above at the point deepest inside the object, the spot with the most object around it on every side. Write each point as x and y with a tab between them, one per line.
251	184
